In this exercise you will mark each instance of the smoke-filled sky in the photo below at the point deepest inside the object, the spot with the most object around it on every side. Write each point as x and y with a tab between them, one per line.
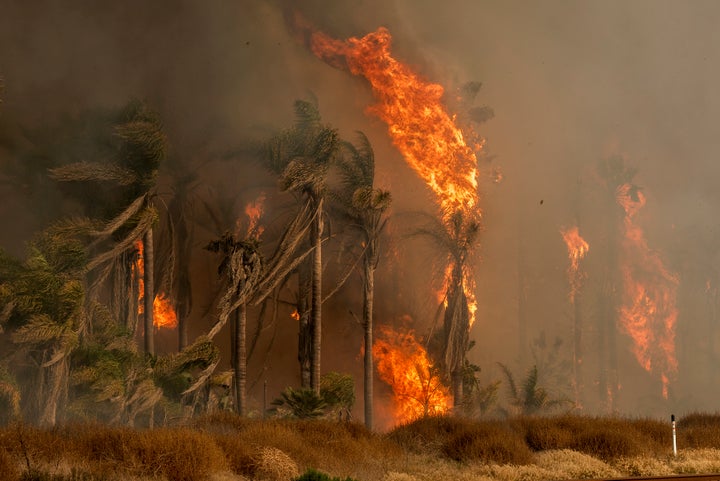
570	83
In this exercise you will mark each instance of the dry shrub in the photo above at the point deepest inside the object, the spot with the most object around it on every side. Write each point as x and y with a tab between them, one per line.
570	464
393	476
643	466
609	441
489	442
179	454
699	430
692	461
654	434
542	434
221	422
8	467
343	449
462	439
240	455
428	434
275	465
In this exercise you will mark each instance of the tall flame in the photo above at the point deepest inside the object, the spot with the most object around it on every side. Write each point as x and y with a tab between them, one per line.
254	210
404	365
577	249
418	123
649	312
163	311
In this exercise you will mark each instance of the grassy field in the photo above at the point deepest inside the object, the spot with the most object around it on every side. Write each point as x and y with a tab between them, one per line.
224	447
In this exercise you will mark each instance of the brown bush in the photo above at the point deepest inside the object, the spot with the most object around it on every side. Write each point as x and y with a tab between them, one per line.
274	465
179	454
608	442
221	422
699	430
8	467
488	442
428	434
543	434
240	454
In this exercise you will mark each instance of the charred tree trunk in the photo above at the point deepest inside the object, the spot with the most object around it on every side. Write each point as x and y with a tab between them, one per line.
240	359
368	300
304	327
184	291
316	301
149	294
456	325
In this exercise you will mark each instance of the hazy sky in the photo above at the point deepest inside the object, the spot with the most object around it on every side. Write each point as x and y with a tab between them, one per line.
570	82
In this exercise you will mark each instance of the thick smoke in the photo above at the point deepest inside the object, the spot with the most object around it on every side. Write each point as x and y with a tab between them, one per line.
570	83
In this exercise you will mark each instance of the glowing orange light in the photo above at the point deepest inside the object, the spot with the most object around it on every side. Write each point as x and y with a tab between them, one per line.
420	127
418	123
163	311
404	365
295	315
577	249
648	314
254	210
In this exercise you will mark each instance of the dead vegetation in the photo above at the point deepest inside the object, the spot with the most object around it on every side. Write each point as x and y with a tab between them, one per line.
229	448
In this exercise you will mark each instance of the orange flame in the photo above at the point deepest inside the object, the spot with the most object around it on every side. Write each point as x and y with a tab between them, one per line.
577	249
295	315
418	123
648	313
404	365
163	311
254	210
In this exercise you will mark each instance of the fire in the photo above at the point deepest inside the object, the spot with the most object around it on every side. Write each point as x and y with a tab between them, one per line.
295	315
418	123
163	311
420	127
404	365
253	211
577	249
649	312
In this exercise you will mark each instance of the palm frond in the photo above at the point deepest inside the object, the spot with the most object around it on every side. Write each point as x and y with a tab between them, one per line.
512	387
144	223
93	172
41	328
122	219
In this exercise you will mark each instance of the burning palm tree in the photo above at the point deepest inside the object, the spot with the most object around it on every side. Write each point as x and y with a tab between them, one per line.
436	149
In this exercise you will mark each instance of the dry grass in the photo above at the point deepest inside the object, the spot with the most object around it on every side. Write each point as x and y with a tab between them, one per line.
224	447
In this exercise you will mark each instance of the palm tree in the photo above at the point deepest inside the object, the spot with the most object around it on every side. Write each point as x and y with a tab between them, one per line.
242	266
251	279
42	300
125	183
301	157
363	207
456	238
530	398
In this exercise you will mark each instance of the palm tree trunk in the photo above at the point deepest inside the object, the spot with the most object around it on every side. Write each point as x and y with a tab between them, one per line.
368	299
240	365
316	301
305	332
149	293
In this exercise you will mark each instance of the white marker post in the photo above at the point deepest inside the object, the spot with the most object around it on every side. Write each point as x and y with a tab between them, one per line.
672	419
